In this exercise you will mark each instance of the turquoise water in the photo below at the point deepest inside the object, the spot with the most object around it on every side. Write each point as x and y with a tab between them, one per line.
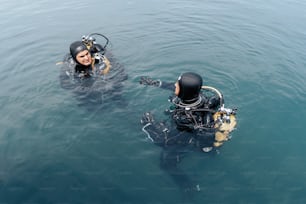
53	151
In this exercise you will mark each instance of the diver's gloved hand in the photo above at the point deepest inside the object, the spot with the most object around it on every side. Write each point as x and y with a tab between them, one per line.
149	81
147	118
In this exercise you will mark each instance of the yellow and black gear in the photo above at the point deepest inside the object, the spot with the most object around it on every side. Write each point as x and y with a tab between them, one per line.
224	124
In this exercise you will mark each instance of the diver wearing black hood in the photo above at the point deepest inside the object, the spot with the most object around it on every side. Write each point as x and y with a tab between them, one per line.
176	140
82	57
86	59
92	72
192	111
192	125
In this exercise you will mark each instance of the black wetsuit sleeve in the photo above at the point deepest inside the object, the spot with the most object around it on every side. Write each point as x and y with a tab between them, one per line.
168	86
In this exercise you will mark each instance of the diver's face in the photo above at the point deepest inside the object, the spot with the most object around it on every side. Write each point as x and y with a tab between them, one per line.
84	58
177	89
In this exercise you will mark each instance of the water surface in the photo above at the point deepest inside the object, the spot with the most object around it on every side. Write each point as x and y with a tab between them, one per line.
53	151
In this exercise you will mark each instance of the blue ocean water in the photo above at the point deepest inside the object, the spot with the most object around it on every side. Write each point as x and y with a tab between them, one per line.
54	151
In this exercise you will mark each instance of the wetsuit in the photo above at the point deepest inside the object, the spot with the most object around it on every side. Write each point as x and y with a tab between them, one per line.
181	135
192	126
90	88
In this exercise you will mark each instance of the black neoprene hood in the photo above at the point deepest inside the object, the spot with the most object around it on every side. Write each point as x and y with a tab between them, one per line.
190	86
77	47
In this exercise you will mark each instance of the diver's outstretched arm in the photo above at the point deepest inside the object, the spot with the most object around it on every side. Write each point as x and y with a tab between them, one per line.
158	83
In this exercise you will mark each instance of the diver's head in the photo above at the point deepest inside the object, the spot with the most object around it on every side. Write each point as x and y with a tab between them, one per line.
80	53
188	87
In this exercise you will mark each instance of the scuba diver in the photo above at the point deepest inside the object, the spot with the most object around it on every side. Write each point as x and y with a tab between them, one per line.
92	72
198	120
87	58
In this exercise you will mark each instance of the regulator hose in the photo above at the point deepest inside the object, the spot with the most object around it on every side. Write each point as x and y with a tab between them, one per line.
217	92
107	40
